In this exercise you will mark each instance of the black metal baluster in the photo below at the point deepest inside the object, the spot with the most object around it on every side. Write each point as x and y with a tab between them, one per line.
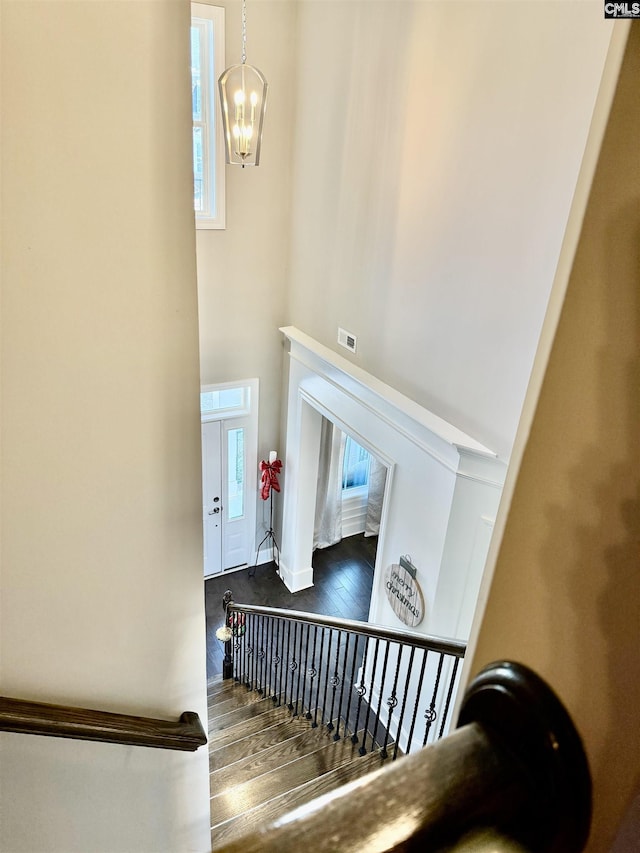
425	654
304	671
293	666
256	648
430	714
264	660
254	653
232	645
312	672
449	694
300	671
286	662
404	702
249	649
269	652
242	639
296	691
344	678
281	659
237	662
361	690
362	749
320	661
392	702
335	681
240	628
354	657
261	656
237	666
326	678
227	662
380	695
276	661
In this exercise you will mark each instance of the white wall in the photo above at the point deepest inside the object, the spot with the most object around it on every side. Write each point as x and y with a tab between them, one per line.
565	596
436	150
440	484
101	579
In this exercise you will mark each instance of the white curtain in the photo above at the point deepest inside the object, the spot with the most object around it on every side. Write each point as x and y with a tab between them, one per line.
328	522
377	479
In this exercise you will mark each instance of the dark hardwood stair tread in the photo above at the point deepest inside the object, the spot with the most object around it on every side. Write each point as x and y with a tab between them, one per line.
240	798
240	715
226	702
216	687
251	743
243	728
261	761
280	805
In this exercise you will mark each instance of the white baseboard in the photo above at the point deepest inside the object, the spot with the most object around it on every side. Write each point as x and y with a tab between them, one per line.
354	515
294	582
265	556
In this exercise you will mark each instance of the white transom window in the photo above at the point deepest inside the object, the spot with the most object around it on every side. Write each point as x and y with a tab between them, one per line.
207	63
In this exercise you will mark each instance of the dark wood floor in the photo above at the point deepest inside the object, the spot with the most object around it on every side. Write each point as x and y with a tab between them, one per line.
343	578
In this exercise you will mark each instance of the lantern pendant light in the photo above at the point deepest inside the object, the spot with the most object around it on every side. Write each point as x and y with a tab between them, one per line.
243	98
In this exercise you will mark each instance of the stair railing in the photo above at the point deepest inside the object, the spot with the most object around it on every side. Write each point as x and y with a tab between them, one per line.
379	686
39	718
512	778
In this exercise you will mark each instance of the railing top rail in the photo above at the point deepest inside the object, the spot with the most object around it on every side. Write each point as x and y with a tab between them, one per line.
38	718
456	648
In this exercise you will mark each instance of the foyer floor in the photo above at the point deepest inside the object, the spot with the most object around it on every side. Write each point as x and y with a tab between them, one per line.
343	578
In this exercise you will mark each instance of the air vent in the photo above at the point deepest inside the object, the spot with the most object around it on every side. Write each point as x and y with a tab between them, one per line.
347	340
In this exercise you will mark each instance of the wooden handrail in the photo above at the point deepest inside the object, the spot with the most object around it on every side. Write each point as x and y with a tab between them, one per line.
456	648
39	718
515	769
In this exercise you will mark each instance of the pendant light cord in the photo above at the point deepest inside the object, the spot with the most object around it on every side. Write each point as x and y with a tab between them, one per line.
244	32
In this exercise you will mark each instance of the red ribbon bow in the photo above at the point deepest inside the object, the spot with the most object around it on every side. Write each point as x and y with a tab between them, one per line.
270	471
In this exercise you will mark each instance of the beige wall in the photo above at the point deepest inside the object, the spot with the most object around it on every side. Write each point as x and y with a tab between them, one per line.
565	595
242	270
101	548
436	151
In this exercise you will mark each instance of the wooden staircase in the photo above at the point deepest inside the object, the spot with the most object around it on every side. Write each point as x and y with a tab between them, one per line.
264	762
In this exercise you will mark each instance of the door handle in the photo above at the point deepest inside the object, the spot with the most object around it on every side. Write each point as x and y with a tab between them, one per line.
215	510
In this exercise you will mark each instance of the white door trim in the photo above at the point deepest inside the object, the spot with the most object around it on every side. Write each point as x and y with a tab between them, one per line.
245	416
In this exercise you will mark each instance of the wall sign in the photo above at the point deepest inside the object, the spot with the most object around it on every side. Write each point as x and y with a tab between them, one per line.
403	592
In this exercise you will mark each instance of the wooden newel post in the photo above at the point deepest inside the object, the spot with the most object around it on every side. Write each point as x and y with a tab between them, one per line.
227	664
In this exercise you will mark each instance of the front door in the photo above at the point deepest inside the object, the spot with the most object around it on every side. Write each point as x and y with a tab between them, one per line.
212	505
226	510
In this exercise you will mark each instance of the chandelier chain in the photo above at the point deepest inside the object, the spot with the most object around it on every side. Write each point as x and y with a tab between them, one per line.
244	32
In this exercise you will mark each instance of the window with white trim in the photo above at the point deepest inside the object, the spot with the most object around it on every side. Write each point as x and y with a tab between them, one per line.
226	400
355	467
207	64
